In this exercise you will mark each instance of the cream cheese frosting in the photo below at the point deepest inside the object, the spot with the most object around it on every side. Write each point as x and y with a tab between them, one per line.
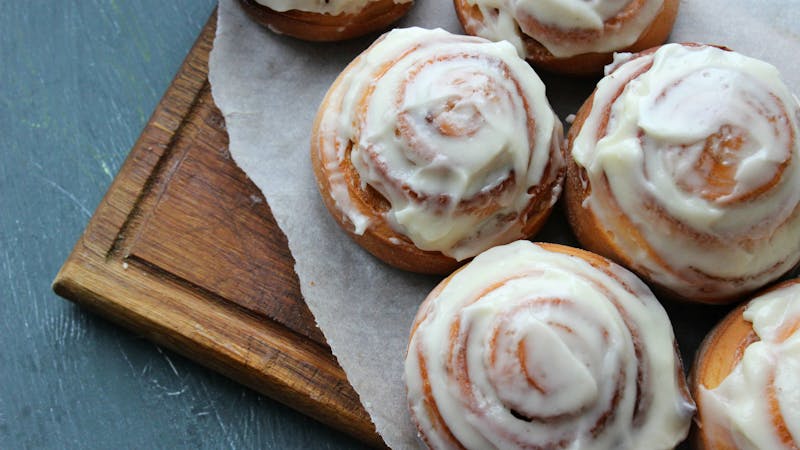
768	372
677	115
506	19
455	132
526	347
332	7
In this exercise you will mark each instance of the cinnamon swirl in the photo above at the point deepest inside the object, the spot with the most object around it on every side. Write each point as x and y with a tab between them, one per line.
570	36
326	20
542	346
685	168
746	377
432	147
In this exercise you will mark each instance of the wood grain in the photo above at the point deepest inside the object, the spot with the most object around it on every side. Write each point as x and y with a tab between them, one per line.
184	250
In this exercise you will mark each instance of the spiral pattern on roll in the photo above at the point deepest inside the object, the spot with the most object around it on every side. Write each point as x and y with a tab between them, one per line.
452	135
688	156
541	347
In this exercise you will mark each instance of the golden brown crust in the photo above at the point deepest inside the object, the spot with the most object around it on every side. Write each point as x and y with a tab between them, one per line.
587	64
379	238
311	26
718	355
603	238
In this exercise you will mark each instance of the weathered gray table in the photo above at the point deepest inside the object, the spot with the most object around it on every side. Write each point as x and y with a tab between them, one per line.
78	80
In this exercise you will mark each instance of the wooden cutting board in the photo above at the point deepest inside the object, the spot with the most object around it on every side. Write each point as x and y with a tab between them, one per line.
184	250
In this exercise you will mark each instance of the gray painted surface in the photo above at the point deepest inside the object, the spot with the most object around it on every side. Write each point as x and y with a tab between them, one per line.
78	80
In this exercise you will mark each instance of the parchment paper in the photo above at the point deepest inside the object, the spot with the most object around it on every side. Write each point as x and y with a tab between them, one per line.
268	88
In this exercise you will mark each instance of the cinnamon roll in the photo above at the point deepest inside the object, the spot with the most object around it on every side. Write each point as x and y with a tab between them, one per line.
432	147
570	36
542	346
746	377
685	168
326	20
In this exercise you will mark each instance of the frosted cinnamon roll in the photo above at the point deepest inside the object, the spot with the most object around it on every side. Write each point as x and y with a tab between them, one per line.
684	167
570	36
541	346
746	378
432	147
326	20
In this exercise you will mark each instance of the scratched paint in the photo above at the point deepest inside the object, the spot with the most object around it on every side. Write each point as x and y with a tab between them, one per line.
79	79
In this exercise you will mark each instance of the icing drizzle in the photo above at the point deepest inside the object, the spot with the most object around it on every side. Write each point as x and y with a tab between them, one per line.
697	148
526	347
454	132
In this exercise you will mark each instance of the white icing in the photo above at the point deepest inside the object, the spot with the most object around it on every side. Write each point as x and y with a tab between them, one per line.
740	404
568	318
480	89
566	14
650	154
332	7
506	19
